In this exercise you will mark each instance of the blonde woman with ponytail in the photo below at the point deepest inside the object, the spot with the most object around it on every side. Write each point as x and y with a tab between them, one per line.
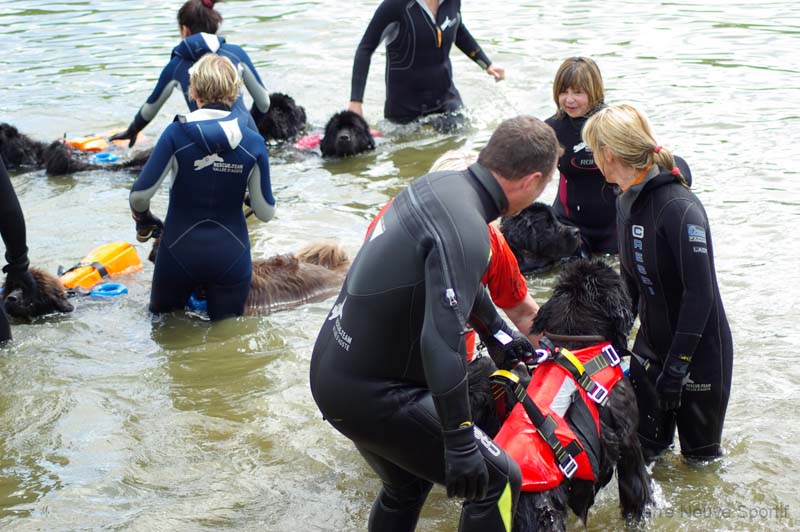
683	352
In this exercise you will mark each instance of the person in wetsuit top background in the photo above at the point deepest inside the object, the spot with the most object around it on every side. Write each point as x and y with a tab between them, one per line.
388	369
198	22
212	158
419	77
684	350
584	198
12	230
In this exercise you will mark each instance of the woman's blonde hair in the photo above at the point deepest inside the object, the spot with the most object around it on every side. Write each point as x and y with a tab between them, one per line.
580	73
214	79
454	160
626	132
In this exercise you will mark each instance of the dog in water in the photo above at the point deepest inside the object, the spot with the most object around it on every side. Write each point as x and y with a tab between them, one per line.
539	239
589	305
284	120
51	297
346	133
313	273
57	158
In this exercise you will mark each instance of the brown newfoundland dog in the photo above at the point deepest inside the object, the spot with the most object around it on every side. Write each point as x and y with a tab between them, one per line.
589	306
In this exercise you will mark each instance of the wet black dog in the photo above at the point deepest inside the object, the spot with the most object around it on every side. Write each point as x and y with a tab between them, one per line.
51	297
21	151
589	299
539	239
284	120
346	133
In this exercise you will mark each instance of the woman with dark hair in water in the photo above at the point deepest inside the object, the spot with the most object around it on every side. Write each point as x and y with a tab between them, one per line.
198	22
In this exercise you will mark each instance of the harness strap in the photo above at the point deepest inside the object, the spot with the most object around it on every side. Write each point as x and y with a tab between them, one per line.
607	357
100	269
596	391
545	425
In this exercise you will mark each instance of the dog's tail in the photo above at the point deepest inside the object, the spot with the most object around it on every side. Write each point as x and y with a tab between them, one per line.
326	253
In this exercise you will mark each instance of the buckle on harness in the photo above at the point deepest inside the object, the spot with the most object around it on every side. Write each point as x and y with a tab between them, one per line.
599	393
611	355
541	355
567	464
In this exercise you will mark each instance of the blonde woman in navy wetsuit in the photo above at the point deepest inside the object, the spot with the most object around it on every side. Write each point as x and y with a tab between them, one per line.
199	22
212	158
419	77
682	371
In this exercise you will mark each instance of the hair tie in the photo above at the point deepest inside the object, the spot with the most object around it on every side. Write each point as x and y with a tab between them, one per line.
208	3
657	149
676	171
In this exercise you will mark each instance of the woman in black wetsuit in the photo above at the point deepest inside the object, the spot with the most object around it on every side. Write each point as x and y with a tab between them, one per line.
12	229
584	198
684	351
419	76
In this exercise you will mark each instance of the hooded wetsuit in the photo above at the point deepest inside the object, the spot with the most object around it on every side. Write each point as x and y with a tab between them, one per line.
12	230
419	76
211	157
176	74
388	368
667	261
584	198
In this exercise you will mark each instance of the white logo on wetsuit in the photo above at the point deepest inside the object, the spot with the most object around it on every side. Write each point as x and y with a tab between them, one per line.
638	231
582	146
337	310
447	23
207	161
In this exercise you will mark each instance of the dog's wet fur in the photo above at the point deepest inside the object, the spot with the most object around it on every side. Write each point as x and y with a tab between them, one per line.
284	120
51	297
313	273
346	134
589	298
539	239
19	151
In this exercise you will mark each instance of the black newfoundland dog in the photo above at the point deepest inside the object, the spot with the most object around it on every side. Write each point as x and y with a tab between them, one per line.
57	158
346	133
285	119
589	305
539	239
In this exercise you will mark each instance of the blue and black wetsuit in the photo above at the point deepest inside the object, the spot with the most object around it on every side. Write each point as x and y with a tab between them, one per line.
12	230
667	261
419	76
176	74
212	158
584	198
389	367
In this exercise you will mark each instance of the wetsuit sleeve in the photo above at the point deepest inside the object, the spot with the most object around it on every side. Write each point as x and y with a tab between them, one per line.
633	290
506	284
260	188
467	44
442	341
161	164
166	84
254	85
688	242
12	223
386	13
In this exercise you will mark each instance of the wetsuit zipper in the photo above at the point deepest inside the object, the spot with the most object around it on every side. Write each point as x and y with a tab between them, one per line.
450	293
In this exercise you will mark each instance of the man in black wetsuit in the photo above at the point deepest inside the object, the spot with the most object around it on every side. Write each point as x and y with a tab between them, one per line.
12	229
389	366
419	76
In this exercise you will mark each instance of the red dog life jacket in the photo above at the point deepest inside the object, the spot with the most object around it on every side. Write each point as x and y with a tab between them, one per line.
552	389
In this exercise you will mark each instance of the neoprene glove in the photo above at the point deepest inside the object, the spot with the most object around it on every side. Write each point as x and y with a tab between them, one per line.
465	474
508	347
669	383
128	134
147	225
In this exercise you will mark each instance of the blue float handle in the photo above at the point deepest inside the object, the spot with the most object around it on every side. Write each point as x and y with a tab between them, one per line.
109	290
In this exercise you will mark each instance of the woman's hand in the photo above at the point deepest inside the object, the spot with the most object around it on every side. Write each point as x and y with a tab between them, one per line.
356	108
498	73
